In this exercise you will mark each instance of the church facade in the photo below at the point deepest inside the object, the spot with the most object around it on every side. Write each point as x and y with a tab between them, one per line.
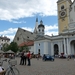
65	41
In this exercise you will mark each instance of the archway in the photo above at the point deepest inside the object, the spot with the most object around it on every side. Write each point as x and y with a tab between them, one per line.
72	47
56	49
39	51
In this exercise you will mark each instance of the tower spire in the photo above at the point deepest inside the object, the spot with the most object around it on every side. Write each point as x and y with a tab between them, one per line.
36	26
36	19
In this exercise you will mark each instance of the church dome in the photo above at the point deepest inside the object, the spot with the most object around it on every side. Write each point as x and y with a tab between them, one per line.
41	24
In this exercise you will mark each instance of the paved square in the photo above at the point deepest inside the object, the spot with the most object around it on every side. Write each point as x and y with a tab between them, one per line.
39	67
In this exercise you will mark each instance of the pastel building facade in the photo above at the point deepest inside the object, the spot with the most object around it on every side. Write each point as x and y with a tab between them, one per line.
64	42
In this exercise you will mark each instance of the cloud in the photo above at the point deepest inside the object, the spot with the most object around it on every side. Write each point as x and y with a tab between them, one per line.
51	30
18	22
16	9
10	33
11	37
50	27
51	33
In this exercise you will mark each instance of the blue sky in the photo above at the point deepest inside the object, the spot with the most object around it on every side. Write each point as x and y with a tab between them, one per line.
23	13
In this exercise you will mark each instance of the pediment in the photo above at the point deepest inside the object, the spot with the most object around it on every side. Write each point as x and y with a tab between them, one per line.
39	37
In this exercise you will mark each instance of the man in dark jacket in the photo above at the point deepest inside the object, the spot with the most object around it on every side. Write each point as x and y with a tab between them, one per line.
22	59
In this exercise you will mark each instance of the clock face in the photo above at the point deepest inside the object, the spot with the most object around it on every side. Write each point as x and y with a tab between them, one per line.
62	13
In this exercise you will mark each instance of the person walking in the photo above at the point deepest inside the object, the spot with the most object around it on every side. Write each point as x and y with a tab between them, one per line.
22	59
25	57
29	57
37	57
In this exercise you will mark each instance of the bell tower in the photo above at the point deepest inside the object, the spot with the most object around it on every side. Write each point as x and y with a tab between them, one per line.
63	14
41	28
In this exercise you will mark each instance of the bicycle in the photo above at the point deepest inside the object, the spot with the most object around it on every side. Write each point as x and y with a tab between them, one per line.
11	70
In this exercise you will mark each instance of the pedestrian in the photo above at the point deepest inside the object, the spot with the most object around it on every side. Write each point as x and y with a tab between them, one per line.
22	59
37	57
25	57
10	56
29	58
68	57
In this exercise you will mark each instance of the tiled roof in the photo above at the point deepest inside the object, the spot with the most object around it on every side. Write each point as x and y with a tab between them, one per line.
4	38
29	43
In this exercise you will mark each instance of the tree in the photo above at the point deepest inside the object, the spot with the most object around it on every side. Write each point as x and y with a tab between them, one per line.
5	47
13	46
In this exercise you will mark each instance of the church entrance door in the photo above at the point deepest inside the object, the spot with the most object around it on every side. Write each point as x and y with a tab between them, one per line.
56	49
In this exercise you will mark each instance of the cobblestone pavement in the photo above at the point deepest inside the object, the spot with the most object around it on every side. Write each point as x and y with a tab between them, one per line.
39	67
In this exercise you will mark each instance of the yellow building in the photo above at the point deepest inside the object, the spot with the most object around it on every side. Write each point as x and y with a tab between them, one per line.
63	14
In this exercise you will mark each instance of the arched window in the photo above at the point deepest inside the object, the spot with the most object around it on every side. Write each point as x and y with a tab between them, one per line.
17	38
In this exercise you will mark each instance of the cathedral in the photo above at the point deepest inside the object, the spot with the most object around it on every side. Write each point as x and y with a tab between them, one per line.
64	42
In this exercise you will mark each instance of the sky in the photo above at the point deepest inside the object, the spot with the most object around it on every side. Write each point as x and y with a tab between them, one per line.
16	14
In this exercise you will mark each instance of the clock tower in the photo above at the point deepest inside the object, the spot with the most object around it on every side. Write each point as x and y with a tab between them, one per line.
63	14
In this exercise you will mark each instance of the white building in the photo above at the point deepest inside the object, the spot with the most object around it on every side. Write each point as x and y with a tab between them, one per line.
4	40
53	45
65	41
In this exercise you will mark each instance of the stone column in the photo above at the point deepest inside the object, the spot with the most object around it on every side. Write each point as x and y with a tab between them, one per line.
68	47
52	50
45	47
64	46
35	50
60	47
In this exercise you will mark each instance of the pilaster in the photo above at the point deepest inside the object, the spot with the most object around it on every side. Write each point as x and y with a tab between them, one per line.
65	46
68	47
52	50
45	47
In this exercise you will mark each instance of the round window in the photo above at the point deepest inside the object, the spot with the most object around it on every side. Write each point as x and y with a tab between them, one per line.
62	7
